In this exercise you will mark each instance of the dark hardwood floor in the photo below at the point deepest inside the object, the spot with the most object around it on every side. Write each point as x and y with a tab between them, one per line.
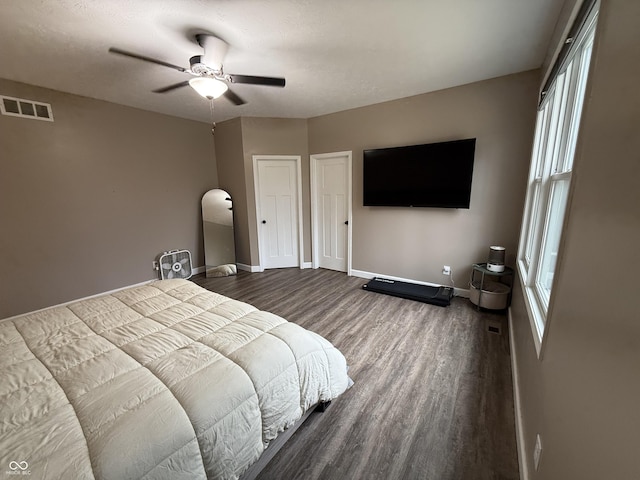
432	397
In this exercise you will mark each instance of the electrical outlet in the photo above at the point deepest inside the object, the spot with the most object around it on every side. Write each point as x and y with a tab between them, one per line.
537	452
155	265
446	270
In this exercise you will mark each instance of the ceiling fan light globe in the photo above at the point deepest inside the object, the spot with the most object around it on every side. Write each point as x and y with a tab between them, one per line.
208	87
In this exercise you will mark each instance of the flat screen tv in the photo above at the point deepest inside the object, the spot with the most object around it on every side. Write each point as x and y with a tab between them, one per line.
430	175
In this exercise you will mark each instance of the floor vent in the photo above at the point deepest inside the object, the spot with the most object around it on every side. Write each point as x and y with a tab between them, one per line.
19	107
494	328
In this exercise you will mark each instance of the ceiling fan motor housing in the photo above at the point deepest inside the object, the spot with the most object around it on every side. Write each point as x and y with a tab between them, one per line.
198	67
215	50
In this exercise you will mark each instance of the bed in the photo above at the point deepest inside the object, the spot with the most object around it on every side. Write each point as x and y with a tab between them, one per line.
165	380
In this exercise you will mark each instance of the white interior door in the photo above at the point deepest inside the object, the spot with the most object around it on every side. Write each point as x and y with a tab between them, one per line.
277	208
331	199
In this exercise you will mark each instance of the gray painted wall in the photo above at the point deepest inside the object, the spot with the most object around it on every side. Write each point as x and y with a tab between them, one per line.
87	202
275	136
237	140
416	243
403	242
582	394
231	175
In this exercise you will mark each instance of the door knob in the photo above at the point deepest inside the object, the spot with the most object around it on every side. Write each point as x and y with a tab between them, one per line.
346	222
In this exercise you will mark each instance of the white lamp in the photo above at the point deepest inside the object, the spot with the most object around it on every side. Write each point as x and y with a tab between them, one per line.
208	87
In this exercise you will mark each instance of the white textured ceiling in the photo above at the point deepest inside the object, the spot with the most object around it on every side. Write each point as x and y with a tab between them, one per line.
334	54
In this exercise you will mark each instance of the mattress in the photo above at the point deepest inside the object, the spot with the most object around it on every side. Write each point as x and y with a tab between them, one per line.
166	380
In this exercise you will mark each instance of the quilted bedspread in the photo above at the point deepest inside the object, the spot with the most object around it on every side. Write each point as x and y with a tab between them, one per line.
166	380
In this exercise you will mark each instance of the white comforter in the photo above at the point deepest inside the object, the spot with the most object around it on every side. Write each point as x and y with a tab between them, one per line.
166	380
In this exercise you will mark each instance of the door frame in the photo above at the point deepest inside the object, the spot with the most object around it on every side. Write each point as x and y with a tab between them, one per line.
297	160
314	204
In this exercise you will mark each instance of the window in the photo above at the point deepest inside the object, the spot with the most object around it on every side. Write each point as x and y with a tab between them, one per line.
554	145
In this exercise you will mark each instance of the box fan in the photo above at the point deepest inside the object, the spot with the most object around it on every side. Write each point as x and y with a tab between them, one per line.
175	264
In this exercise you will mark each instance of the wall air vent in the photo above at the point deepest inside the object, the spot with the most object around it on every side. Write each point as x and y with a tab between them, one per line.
19	107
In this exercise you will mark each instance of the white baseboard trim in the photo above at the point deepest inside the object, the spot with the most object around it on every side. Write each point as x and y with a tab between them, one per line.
461	292
198	270
458	292
256	268
249	268
517	407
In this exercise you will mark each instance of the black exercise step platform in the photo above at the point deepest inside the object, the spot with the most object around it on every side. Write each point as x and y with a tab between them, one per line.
440	296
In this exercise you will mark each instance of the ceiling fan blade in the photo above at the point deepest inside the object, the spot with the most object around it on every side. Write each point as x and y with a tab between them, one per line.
253	80
234	98
146	59
171	87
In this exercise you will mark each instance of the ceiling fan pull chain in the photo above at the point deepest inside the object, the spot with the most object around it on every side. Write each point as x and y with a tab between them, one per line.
213	124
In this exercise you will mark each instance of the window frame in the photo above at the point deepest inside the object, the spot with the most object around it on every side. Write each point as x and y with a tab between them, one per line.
554	145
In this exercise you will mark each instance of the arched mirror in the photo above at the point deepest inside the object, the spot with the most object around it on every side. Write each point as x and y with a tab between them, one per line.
217	223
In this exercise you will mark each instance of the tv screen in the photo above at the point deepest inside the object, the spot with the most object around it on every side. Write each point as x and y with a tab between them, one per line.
429	175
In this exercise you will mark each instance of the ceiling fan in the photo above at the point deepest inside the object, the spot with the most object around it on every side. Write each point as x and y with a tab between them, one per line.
209	80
